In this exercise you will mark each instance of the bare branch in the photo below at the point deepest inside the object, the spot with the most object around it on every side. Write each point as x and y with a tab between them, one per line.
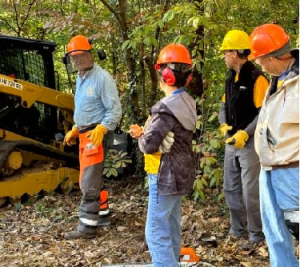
112	10
28	12
9	25
17	19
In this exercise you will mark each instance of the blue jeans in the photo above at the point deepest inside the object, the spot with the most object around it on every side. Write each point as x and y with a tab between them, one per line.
279	191
163	231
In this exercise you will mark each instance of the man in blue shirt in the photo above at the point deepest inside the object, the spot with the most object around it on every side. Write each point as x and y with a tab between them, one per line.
97	113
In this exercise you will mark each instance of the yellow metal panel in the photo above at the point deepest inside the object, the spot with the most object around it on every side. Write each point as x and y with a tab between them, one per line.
35	180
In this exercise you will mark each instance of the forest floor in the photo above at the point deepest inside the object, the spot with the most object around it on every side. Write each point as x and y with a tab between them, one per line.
31	234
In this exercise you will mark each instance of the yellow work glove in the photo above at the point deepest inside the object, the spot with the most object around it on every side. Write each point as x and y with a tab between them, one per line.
238	140
96	135
71	136
167	143
224	128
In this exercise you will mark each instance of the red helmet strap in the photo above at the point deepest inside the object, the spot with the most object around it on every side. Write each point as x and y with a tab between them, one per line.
188	80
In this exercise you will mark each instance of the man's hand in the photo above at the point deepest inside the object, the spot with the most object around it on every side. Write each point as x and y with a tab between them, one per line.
238	139
167	143
136	131
71	136
96	136
224	128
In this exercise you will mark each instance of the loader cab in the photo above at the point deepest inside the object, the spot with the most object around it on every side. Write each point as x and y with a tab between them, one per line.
32	61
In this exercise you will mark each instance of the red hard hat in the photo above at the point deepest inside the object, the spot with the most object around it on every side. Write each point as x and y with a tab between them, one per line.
266	39
78	44
174	53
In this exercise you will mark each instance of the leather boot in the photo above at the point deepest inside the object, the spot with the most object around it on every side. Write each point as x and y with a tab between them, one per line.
76	235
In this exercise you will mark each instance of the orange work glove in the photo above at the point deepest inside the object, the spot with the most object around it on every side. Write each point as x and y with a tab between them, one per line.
71	136
136	131
224	128
96	135
238	140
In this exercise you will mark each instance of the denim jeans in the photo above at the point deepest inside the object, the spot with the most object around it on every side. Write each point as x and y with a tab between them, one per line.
163	231
279	191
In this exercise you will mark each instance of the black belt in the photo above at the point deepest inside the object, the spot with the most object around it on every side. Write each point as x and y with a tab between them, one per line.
294	164
84	129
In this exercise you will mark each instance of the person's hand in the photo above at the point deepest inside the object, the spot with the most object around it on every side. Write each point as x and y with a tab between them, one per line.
167	143
136	131
96	136
71	136
224	128
238	140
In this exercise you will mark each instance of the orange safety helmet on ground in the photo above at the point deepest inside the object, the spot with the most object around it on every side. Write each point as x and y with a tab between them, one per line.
78	44
235	40
269	39
174	53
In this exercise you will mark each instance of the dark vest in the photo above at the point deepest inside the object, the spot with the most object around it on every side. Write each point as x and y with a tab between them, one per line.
239	102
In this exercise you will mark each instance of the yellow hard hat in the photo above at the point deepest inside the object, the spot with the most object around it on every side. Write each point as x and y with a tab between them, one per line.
236	40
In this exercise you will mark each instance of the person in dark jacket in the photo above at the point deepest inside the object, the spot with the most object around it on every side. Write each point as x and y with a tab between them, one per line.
171	170
245	89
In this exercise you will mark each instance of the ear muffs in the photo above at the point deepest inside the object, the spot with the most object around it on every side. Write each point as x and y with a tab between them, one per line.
168	76
188	80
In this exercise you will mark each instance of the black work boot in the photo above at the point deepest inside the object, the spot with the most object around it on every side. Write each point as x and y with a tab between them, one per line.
76	235
255	240
251	245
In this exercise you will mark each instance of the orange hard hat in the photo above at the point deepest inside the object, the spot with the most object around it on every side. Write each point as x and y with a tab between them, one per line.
78	44
174	53
266	39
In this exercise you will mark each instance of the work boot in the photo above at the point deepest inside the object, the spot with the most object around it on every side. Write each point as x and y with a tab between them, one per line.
250	245
237	235
76	235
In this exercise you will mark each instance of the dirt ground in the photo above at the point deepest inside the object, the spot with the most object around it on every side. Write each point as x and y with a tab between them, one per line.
31	234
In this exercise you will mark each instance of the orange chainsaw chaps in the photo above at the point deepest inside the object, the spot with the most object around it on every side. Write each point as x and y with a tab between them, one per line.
103	200
88	153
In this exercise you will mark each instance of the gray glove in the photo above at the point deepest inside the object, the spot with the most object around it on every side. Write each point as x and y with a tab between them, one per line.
167	142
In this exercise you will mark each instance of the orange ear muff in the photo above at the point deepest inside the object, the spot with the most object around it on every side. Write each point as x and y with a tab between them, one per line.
168	76
188	79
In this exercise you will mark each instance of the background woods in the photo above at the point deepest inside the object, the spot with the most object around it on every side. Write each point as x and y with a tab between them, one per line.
132	32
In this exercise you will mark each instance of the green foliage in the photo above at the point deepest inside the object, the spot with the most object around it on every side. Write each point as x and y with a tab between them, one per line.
150	26
115	161
44	207
208	147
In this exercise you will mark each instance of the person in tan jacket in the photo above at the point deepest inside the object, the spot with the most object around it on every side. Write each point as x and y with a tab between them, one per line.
277	142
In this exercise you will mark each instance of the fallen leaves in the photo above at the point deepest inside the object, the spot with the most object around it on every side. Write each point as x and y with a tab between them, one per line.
33	234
